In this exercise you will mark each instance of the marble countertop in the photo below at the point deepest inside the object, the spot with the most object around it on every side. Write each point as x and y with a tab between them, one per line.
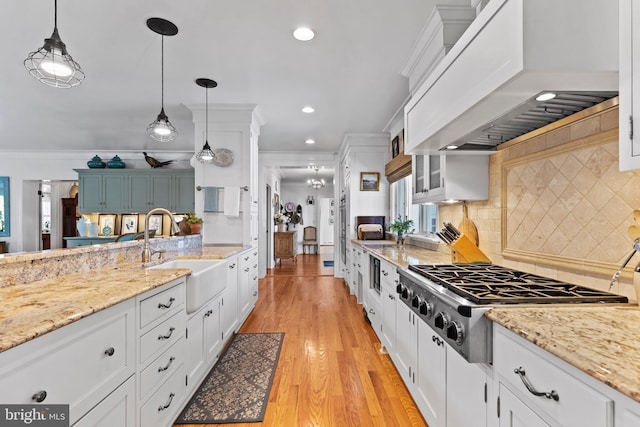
33	309
599	340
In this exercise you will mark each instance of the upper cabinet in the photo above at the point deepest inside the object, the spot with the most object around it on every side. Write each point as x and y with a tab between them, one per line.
110	191
439	177
629	81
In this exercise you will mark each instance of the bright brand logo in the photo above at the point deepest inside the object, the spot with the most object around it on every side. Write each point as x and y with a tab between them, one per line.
34	415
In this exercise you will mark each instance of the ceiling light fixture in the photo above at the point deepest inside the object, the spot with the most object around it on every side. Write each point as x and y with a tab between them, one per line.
161	128
52	64
315	182
308	109
452	147
310	141
303	34
545	96
206	155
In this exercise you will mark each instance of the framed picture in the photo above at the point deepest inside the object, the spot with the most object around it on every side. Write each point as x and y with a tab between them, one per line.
129	224
5	228
395	147
276	199
369	181
106	221
155	223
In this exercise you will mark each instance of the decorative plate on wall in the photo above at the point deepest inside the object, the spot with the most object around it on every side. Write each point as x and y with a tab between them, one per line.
223	157
289	207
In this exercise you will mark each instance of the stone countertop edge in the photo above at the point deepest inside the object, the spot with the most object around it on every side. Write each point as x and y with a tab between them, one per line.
593	338
33	309
403	256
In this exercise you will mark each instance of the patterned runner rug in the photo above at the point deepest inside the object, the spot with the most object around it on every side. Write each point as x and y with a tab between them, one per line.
237	388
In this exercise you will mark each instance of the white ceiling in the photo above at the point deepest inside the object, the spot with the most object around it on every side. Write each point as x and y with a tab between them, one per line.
350	72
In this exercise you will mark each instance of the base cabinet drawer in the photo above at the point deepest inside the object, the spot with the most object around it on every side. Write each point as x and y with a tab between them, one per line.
566	400
78	365
161	337
117	409
163	406
161	368
161	305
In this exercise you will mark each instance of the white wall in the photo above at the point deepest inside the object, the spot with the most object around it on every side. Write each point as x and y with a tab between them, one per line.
297	194
24	166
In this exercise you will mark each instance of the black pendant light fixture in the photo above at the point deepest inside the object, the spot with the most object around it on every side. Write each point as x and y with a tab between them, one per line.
206	155
52	64
161	128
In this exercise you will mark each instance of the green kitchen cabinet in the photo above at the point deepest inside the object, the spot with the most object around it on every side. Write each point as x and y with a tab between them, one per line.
101	192
136	190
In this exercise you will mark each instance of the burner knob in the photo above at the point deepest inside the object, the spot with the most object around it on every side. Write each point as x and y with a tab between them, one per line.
426	309
415	301
405	293
441	321
455	332
399	288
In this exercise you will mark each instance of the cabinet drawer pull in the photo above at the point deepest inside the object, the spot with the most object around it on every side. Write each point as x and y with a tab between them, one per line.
384	273
232	265
171	300
164	368
166	337
255	294
548	394
162	408
39	396
110	351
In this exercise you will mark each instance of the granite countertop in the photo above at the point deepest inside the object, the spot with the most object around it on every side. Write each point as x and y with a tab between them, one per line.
403	256
599	340
33	309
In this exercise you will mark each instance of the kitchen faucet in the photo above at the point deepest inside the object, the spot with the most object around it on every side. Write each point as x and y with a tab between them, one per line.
636	248
146	252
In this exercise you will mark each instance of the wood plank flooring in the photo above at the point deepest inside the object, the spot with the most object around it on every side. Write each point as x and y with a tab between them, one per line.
331	372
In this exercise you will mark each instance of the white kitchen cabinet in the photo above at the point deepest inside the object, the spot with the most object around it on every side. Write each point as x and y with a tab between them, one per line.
431	381
117	409
79	364
229	303
630	418
514	413
161	353
204	342
389	281
577	405
440	177
466	382
247	282
629	78
406	353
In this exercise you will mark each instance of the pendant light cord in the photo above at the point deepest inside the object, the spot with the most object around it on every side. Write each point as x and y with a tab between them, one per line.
162	71
206	118
55	14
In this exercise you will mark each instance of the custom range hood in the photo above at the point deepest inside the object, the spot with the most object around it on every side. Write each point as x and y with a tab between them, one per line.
483	92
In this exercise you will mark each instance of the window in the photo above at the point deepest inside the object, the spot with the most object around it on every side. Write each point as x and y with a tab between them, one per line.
425	217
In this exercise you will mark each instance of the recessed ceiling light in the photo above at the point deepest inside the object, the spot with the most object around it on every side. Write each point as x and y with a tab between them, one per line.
308	110
303	34
452	147
310	141
545	96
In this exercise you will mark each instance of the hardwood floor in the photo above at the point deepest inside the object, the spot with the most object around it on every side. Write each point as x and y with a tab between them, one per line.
330	372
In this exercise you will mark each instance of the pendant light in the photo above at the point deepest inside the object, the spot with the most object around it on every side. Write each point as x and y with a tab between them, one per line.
52	64
315	182
161	129
206	155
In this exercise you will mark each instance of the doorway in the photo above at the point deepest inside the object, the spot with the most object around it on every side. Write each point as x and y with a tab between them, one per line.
268	206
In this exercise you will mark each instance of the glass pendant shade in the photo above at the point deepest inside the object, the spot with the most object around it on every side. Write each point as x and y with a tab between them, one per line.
52	64
206	155
161	128
316	182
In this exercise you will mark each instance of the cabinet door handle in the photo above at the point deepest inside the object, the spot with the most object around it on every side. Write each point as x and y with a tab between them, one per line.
166	337
372	311
255	294
39	396
162	408
384	273
548	394
110	351
164	368
246	269
232	265
171	300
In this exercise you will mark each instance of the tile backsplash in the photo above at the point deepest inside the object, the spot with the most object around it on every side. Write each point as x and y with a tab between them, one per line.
558	205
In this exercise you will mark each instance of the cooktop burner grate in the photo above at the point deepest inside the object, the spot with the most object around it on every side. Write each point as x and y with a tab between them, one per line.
492	284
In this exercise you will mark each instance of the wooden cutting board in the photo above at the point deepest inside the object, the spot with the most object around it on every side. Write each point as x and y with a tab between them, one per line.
467	227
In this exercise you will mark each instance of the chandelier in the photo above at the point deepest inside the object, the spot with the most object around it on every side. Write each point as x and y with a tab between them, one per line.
315	182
